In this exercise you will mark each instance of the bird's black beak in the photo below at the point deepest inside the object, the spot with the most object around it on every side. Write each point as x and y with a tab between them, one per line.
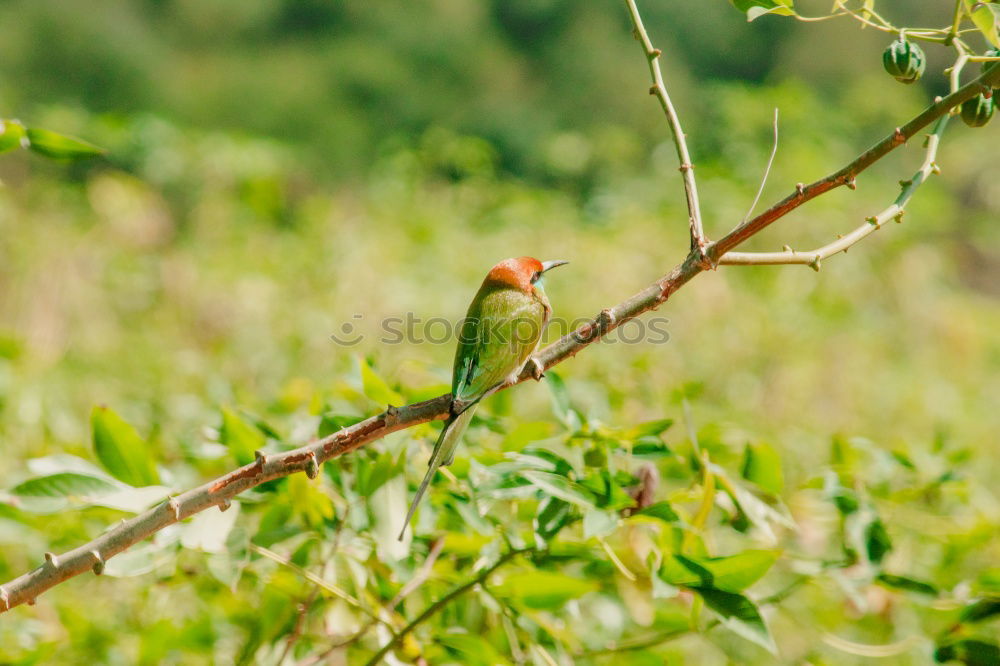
546	265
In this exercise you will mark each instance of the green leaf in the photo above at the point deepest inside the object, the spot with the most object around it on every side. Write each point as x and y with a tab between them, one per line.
60	146
560	400
57	492
543	589
730	574
983	609
370	475
598	523
240	437
739	615
648	429
757	8
473	649
762	466
969	651
553	515
11	134
66	484
120	449
376	388
908	584
660	510
559	486
986	17
877	541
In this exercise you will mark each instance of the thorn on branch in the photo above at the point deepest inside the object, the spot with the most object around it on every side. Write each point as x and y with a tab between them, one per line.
391	417
175	507
653	90
537	370
98	565
656	53
899	216
935	169
312	465
873	220
851	183
31	602
224	505
5	598
815	264
259	459
800	189
684	168
906	182
606	320
898	137
787	248
52	560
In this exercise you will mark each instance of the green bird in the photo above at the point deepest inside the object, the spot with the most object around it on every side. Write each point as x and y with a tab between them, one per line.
500	331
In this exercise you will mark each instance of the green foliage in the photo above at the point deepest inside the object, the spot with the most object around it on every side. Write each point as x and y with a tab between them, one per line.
120	449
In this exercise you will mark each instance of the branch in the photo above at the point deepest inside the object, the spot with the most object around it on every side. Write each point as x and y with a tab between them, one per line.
698	240
442	602
219	493
813	258
847	174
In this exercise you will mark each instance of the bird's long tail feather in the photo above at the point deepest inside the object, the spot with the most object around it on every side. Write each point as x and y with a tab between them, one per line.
443	454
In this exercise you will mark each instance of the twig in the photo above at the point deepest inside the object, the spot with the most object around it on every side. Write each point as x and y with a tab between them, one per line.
317	581
300	619
814	258
442	602
418	579
847	174
698	239
219	493
767	169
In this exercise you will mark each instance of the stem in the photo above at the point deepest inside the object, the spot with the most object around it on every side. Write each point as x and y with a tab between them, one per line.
442	602
698	240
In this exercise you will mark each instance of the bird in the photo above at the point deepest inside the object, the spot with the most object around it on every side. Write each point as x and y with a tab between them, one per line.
501	329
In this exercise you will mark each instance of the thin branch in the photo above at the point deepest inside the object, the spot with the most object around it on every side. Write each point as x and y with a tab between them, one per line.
418	579
698	239
814	258
847	174
300	620
767	169
317	581
442	602
219	493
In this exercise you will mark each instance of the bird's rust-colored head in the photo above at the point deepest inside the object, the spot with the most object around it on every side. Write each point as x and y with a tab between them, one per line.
520	272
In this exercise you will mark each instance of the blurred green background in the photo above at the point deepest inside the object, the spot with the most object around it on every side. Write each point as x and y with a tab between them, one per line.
276	167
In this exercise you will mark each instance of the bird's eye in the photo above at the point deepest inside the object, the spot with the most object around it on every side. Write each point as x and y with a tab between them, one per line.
535	276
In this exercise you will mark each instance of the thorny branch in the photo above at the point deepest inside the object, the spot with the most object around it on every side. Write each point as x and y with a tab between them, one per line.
219	492
698	239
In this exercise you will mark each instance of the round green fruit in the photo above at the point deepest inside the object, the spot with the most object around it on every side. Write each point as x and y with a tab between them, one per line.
904	61
977	111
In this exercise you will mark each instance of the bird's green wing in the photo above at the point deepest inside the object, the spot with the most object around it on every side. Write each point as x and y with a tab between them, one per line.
500	332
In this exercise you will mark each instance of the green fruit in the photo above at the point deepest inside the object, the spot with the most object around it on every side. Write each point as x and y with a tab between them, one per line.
904	61
977	111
